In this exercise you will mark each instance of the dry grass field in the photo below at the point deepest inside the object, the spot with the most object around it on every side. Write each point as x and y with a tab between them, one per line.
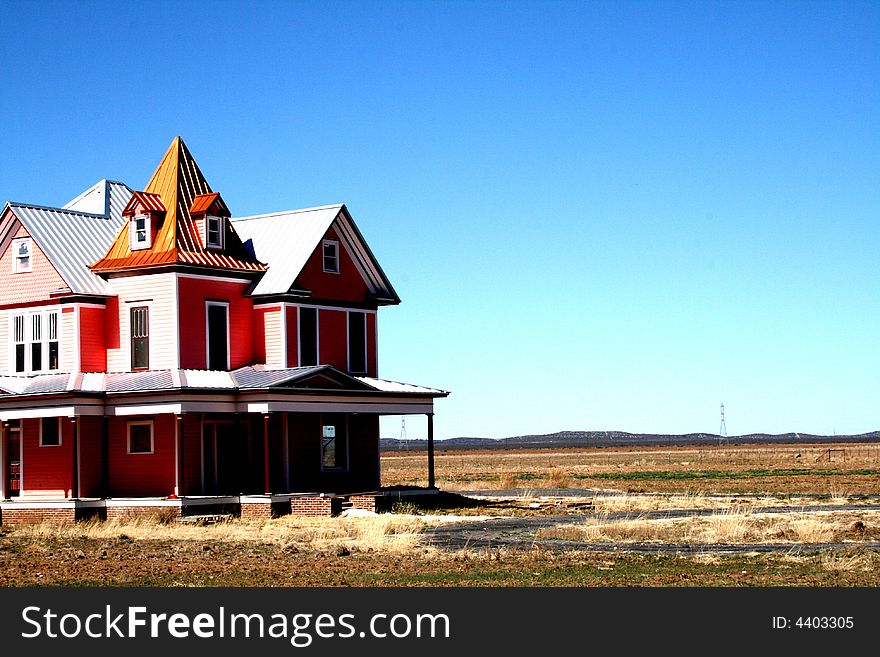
853	469
797	516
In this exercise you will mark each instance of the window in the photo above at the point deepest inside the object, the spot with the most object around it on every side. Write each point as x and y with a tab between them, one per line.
140	437
18	342
21	249
218	335
214	231
35	343
140	338
334	443
50	432
308	336
331	256
139	232
357	343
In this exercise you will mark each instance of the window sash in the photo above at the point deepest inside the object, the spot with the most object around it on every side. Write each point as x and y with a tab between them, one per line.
331	257
39	331
214	231
139	323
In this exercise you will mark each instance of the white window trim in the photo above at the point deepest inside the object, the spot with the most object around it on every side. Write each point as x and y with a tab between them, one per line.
128	427
129	305
222	231
60	432
28	340
338	468
16	268
335	244
224	304
132	232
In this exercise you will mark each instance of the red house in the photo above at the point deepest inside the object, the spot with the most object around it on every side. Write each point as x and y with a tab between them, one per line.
164	354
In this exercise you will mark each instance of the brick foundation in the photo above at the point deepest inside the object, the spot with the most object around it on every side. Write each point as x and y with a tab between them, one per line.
13	517
315	506
258	511
367	502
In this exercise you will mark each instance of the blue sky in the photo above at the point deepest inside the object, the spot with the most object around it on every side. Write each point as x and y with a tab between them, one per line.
599	215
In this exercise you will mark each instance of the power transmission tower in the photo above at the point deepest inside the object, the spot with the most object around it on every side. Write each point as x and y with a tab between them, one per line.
722	432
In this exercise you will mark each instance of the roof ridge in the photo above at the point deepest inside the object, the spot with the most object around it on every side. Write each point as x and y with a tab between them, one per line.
280	212
34	206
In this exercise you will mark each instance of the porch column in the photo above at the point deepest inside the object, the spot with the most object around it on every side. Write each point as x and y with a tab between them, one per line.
74	480
178	453
431	450
105	456
4	465
266	481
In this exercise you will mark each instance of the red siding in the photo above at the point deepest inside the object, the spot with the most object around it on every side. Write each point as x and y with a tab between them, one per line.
46	471
347	285
136	475
372	346
193	293
292	344
333	341
92	345
111	324
191	481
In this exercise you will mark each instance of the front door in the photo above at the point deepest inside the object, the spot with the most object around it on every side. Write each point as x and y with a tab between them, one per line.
224	459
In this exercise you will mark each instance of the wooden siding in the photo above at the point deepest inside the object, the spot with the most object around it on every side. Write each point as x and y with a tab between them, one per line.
141	475
46	471
272	325
68	341
333	341
26	287
6	349
193	295
157	291
347	285
92	343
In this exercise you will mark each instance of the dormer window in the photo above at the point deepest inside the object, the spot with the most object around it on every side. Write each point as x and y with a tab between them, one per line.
331	256
214	231
139	232
21	261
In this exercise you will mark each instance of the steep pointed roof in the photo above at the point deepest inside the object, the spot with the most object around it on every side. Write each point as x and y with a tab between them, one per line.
178	181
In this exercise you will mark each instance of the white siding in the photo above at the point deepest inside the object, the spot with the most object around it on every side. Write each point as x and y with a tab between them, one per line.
275	337
159	293
69	342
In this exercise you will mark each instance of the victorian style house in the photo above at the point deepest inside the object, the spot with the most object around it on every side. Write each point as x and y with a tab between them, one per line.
162	354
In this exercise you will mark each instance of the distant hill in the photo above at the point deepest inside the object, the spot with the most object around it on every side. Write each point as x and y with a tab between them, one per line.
616	439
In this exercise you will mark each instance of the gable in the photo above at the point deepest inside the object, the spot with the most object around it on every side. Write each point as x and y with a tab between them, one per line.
287	242
35	285
346	285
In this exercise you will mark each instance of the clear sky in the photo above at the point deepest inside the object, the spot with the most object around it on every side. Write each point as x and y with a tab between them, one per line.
599	215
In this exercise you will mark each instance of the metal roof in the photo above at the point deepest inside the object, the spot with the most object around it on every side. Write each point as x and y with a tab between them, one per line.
147	200
106	197
285	240
244	378
71	241
178	181
395	386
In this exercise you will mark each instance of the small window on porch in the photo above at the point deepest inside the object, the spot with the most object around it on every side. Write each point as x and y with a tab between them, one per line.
50	432
334	443
140	437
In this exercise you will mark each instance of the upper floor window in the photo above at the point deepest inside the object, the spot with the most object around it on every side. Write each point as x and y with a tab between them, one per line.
140	337
308	336
139	232
357	343
21	260
35	343
331	256
214	231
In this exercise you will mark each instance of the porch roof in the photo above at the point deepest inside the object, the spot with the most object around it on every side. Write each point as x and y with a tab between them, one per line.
316	378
